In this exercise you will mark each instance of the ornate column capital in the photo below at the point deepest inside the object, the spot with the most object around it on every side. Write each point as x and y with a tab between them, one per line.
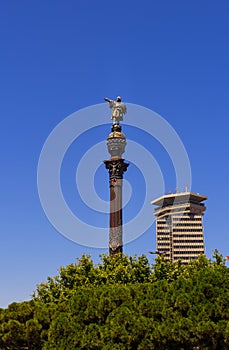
116	168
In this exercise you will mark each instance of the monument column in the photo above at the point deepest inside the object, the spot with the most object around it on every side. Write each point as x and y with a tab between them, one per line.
116	165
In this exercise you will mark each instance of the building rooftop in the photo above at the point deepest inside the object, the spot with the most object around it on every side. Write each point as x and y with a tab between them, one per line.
168	199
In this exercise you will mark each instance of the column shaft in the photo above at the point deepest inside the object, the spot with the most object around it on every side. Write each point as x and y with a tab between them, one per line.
116	169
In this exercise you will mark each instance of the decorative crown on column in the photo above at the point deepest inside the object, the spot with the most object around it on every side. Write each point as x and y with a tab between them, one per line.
116	142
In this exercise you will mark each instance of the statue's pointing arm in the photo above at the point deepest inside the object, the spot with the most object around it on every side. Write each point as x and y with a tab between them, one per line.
111	102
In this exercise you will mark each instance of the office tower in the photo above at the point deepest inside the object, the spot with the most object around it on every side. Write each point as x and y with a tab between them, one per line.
179	226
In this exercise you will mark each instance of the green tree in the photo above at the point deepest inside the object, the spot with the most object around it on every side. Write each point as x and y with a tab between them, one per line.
124	303
14	335
120	269
173	307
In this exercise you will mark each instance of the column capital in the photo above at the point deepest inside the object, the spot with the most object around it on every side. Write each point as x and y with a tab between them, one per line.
116	168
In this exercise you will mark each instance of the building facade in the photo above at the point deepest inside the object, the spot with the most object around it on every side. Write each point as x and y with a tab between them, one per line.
179	226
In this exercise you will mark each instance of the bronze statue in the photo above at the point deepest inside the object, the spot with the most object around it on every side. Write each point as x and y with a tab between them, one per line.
118	109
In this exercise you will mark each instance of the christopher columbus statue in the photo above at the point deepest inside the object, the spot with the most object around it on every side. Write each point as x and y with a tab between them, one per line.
118	109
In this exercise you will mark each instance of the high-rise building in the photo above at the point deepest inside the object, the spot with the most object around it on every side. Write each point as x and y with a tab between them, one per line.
179	226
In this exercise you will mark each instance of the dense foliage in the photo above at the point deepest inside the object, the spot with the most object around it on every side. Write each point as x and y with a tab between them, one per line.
124	303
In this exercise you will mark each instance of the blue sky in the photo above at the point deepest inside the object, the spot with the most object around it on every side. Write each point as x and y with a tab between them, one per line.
58	57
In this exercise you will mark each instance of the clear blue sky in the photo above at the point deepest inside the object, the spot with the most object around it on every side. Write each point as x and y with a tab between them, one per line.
60	56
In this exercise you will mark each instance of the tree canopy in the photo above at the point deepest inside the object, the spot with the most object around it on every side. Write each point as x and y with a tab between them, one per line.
124	303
